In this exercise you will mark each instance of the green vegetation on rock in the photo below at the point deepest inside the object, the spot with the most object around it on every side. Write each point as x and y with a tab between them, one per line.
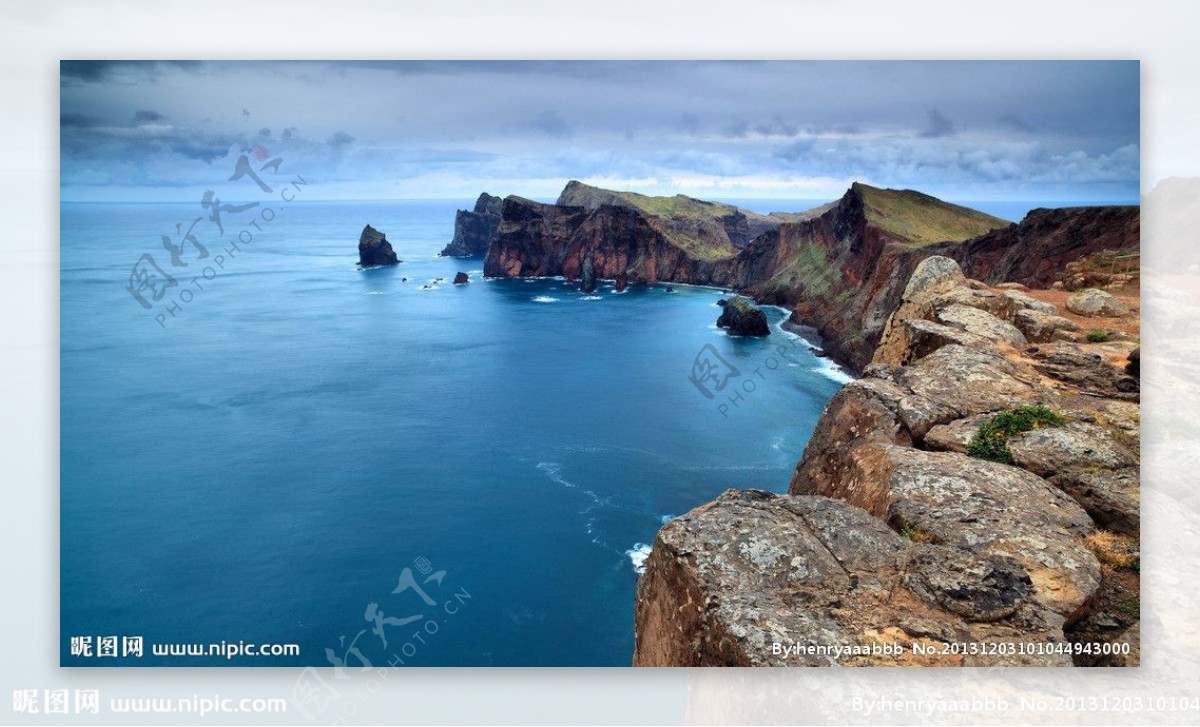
923	220
1097	336
991	441
810	266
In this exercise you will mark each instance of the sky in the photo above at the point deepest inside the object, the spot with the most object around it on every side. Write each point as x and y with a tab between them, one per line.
991	130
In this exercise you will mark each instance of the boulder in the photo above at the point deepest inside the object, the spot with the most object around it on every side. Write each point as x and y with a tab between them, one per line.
1084	370
956	435
374	249
1041	327
461	278
965	381
751	576
740	318
981	323
1093	302
1076	445
924	337
933	277
1113	498
997	304
986	507
1027	302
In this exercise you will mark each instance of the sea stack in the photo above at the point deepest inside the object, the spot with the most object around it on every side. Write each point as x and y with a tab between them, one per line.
461	278
587	274
374	249
740	318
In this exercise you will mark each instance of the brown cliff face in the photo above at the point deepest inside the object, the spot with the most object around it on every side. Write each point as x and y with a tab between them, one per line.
538	240
1037	250
734	228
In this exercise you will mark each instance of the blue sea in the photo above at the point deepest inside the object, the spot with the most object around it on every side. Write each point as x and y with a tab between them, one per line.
376	465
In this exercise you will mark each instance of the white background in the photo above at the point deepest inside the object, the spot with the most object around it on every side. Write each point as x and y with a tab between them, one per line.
34	36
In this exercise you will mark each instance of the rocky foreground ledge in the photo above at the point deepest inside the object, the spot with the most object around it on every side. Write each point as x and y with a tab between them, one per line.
971	501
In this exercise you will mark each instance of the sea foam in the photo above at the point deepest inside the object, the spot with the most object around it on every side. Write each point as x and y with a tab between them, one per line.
637	557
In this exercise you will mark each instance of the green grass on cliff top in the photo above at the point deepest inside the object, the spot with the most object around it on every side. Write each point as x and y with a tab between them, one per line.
669	211
921	219
681	206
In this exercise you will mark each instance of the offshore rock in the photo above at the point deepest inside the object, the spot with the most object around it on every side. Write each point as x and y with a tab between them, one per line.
374	249
740	318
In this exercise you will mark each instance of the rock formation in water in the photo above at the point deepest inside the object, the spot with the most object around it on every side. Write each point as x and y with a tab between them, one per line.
475	229
587	273
461	278
739	317
374	249
971	487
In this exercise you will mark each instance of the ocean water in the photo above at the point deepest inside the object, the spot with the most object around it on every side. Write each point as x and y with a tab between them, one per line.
308	453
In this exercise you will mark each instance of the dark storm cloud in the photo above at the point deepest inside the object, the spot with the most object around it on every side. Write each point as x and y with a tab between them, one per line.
737	129
1012	122
78	121
340	140
71	72
144	116
939	125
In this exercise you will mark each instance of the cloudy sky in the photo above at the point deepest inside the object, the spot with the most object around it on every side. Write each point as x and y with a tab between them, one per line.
1050	131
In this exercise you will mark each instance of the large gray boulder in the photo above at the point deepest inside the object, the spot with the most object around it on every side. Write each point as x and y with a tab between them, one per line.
1093	302
1041	327
981	323
983	506
745	579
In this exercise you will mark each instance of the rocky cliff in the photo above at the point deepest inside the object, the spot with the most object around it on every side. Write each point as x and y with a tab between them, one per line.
537	240
1037	251
474	230
726	225
979	485
842	268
